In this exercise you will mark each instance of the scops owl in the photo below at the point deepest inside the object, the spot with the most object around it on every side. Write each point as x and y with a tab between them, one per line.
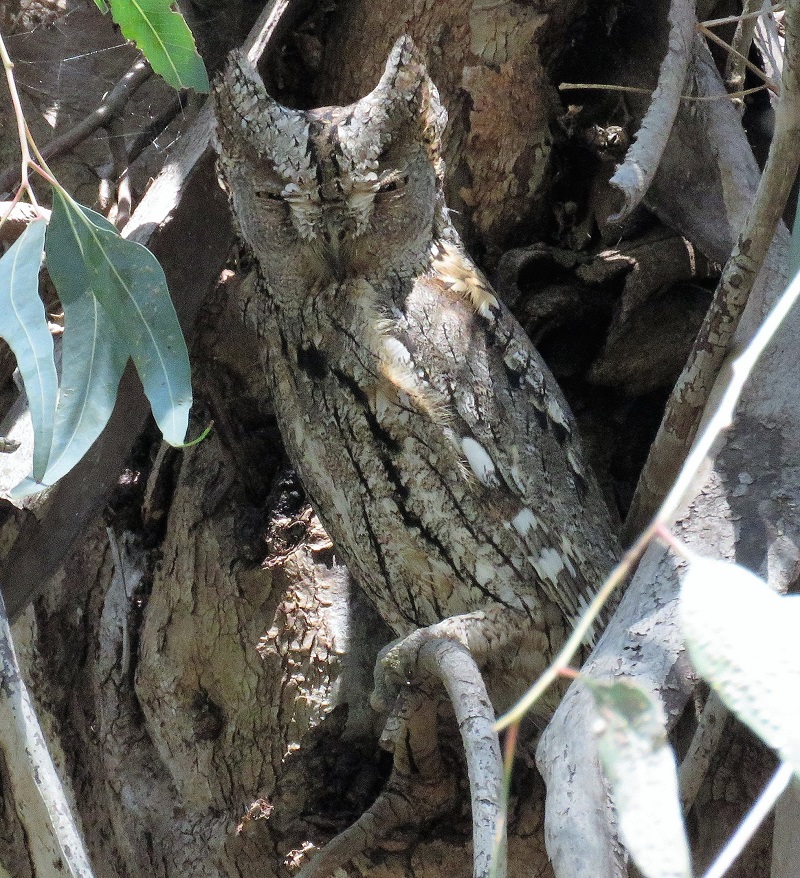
431	438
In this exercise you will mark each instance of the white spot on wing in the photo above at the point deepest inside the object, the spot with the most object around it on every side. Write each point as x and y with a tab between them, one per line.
480	462
524	520
397	351
483	572
566	545
548	565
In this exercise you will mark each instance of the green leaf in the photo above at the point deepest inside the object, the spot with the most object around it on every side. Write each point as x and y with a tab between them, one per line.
87	257
742	638
101	5
164	39
23	324
640	767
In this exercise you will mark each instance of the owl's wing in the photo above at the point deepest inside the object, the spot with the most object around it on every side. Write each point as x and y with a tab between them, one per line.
512	426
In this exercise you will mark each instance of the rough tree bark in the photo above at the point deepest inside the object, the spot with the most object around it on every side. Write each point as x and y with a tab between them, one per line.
200	661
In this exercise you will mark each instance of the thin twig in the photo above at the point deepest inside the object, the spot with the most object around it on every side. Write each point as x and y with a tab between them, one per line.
121	167
740	45
22	130
690	396
634	176
755	817
110	106
732	19
632	89
710	35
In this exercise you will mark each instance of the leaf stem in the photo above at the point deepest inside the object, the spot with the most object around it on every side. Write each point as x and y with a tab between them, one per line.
22	127
755	817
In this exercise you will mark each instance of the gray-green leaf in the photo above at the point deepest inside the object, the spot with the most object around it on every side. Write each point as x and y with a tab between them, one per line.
743	639
640	767
23	324
87	256
92	361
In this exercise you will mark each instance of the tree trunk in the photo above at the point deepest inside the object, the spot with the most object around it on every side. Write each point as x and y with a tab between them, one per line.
201	662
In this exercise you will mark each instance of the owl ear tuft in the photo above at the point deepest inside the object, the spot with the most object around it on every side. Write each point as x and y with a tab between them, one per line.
242	104
406	88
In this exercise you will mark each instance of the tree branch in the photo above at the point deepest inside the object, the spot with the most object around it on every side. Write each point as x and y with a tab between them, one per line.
109	107
420	785
38	795
694	768
634	176
692	391
453	664
740	45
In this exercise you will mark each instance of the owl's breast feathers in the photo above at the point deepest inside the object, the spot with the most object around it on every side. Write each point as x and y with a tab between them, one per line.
438	449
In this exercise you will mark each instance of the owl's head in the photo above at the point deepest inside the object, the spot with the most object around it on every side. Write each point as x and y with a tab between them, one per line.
337	189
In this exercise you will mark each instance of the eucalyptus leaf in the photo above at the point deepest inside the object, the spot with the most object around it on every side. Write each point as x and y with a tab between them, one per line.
23	324
164	38
87	257
640	767
92	362
742	638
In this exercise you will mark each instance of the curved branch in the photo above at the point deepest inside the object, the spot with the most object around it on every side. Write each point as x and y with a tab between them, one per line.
454	665
634	176
419	786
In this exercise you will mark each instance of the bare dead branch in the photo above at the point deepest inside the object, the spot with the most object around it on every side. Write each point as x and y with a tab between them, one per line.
694	768
692	391
733	19
109	107
39	797
634	176
710	35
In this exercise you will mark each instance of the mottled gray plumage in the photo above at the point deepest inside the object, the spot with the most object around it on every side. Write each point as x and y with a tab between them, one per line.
432	440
